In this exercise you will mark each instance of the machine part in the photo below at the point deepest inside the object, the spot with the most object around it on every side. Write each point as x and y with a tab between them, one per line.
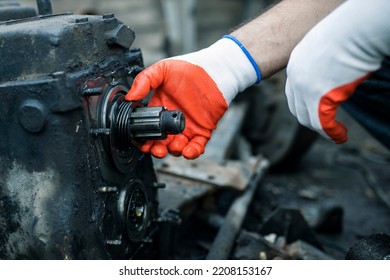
61	196
169	220
124	159
133	208
373	247
32	115
124	122
133	122
11	10
44	7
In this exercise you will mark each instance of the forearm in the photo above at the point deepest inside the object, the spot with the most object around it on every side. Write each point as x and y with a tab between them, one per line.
271	37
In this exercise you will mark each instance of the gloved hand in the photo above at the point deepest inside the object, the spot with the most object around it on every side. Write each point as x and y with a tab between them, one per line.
201	85
329	63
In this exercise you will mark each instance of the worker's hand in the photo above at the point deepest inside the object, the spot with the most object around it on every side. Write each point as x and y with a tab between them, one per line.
333	59
201	85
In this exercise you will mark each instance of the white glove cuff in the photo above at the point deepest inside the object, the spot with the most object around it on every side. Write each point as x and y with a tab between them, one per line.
229	64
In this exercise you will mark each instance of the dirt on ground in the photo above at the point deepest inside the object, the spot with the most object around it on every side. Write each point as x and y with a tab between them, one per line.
352	180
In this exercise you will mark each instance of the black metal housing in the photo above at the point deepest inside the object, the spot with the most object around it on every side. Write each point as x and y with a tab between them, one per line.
61	195
12	10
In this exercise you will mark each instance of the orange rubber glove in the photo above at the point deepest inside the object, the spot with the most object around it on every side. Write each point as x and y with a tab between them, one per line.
201	85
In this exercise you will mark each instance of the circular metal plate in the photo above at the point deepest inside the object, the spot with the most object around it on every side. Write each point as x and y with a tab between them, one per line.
124	159
133	208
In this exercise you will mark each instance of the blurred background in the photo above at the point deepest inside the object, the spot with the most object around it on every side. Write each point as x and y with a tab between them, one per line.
169	27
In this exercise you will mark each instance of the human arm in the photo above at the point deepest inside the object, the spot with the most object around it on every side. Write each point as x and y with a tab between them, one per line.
202	84
271	37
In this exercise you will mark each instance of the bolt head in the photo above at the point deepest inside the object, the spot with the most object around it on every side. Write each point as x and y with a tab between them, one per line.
122	36
32	116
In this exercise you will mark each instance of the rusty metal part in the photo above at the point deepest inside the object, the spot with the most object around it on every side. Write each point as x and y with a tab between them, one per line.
228	173
187	181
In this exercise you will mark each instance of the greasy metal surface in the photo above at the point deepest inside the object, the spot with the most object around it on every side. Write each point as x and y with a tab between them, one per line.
61	196
10	10
124	158
132	121
121	123
44	7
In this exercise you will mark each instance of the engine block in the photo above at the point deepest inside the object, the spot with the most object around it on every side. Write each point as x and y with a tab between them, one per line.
66	193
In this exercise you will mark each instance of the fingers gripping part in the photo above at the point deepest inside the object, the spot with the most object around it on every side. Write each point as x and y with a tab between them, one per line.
160	147
159	150
146	146
195	147
177	145
149	79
